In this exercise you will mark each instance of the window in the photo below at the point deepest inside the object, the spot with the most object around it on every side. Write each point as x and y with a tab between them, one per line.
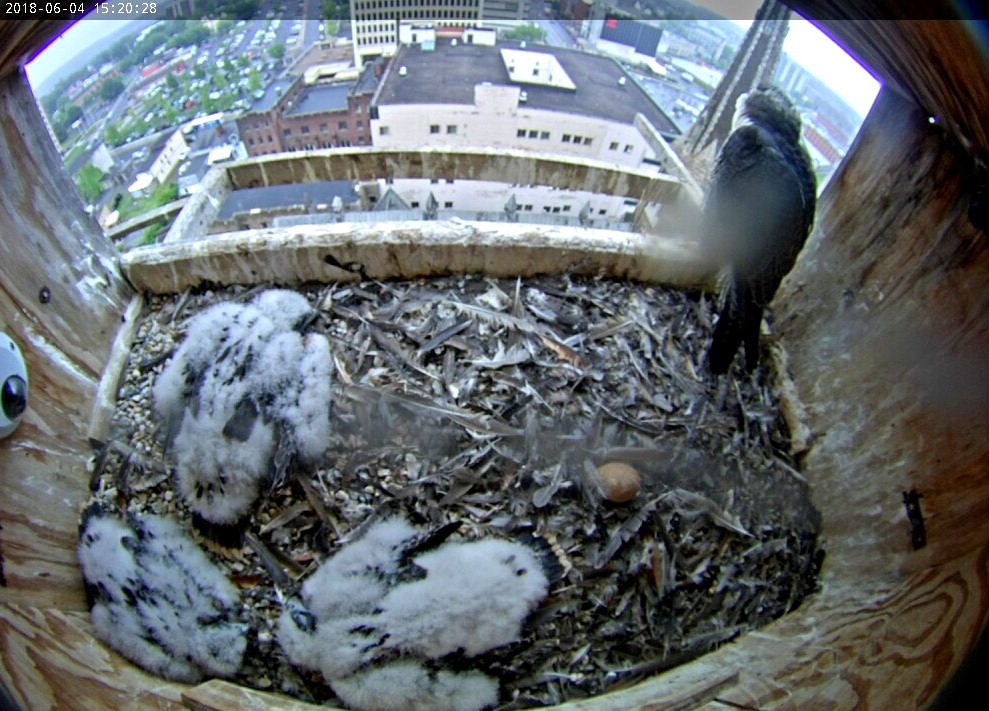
544	135
383	130
613	146
566	138
342	125
434	181
449	181
305	129
414	204
520	133
527	208
447	205
566	208
587	141
601	211
434	128
628	147
287	132
451	129
556	209
533	134
323	127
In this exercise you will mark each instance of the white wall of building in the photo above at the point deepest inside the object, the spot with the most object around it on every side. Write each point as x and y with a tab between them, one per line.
489	196
171	155
498	119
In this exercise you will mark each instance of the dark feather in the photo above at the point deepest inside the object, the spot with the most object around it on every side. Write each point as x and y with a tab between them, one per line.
241	423
758	212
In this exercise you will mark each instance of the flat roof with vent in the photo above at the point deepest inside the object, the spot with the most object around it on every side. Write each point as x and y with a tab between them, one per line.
542	68
449	74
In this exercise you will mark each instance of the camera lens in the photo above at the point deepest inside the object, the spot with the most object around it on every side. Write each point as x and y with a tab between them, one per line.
13	399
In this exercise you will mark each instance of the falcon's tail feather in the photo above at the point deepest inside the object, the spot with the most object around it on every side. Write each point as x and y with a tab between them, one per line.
738	323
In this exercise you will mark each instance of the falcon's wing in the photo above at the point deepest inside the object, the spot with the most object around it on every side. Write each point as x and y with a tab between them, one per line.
757	210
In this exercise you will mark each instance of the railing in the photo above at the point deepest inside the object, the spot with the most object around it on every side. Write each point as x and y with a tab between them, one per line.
351	250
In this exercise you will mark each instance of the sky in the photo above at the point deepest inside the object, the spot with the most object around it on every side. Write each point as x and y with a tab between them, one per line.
818	54
807	45
62	50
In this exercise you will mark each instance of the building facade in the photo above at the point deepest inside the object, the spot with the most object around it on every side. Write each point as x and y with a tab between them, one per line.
375	23
545	100
294	115
542	100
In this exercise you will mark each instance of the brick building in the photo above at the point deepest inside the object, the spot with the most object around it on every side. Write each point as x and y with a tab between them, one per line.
293	115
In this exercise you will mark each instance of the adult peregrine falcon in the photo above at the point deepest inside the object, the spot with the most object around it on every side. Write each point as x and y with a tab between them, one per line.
758	211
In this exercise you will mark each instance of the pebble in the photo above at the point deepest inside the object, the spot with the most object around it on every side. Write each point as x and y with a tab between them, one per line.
619	482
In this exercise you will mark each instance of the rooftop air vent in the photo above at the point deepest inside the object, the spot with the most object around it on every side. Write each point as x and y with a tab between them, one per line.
403	70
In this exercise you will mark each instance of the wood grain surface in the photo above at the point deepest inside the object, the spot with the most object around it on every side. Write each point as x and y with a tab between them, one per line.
61	300
886	325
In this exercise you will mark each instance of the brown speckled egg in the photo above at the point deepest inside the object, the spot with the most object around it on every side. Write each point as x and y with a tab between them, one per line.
619	482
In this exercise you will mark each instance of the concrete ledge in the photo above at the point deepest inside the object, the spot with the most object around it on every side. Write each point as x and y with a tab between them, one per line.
352	251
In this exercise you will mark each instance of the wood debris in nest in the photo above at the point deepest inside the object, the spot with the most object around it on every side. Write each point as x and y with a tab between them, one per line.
493	402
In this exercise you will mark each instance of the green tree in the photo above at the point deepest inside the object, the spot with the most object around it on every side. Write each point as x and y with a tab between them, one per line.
253	79
111	135
171	82
89	179
277	50
112	88
164	194
527	32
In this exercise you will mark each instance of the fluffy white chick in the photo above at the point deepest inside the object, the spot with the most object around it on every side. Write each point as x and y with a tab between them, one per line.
475	597
157	599
415	603
246	393
410	685
360	574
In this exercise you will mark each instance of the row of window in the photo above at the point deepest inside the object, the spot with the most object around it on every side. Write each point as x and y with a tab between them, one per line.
336	143
532	133
444	14
451	129
576	140
323	127
365	5
550	210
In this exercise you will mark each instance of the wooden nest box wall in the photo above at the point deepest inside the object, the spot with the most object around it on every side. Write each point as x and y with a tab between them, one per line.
885	320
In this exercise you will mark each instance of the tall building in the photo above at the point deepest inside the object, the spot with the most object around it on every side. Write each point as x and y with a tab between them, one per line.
375	23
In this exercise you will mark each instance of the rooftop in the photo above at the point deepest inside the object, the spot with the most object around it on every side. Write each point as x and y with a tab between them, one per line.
448	76
284	196
322	97
272	93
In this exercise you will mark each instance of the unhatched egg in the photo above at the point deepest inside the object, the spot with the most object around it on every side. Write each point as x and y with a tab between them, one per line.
619	482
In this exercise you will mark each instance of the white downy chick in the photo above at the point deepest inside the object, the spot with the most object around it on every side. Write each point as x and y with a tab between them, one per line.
245	394
157	599
461	597
360	574
408	685
475	597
